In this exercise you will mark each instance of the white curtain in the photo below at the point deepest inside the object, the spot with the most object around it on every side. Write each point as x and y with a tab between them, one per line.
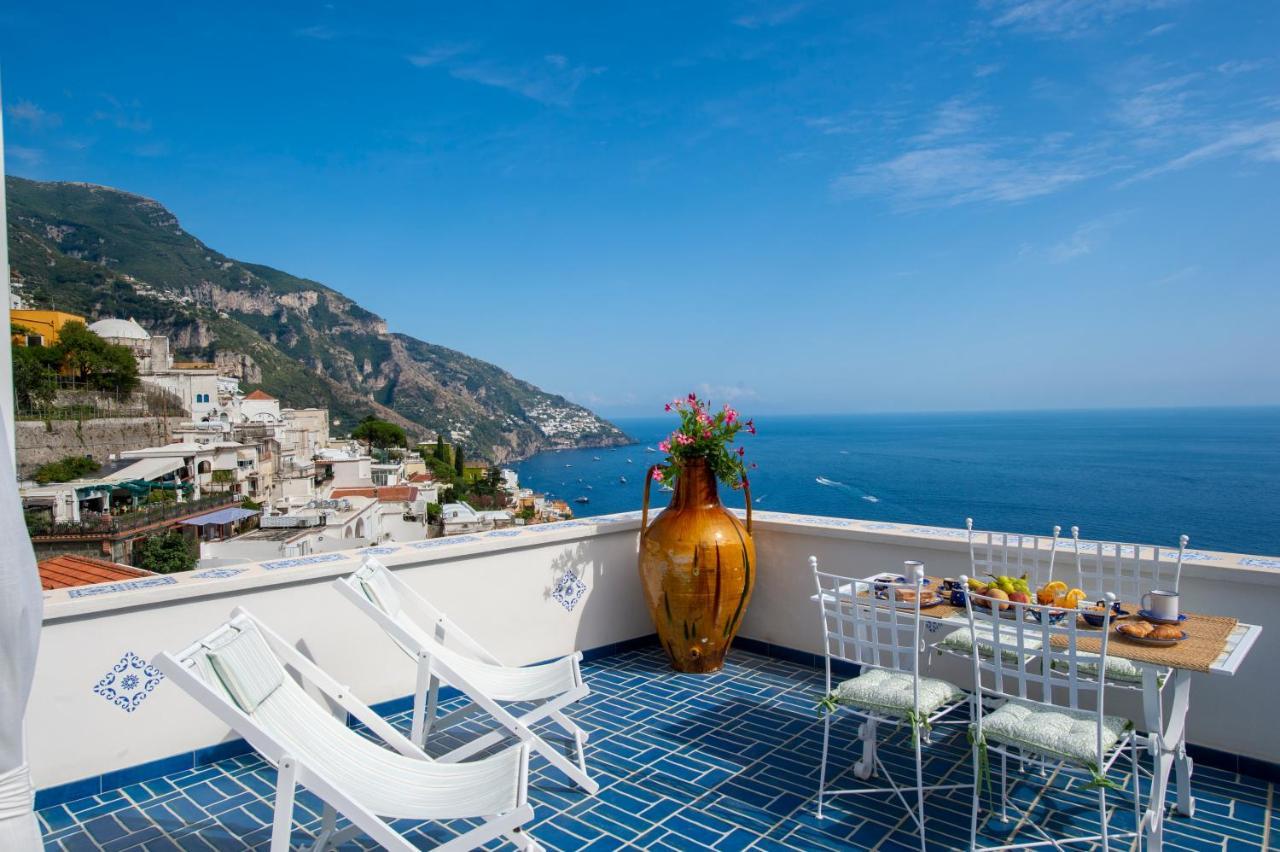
20	615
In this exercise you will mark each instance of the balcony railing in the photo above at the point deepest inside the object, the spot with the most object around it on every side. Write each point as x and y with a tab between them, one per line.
501	586
103	524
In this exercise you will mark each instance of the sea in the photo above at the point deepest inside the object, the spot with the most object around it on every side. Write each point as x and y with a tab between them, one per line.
1121	475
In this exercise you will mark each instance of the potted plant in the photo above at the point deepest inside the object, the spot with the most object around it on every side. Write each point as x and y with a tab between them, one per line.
697	560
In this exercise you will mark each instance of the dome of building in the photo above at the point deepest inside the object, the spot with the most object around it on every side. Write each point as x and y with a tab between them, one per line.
119	329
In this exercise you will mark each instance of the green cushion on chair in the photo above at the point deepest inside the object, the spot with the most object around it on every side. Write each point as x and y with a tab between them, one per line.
1052	731
960	642
1118	668
891	692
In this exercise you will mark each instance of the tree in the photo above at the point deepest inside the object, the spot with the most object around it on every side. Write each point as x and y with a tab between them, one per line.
439	453
65	470
166	553
99	364
35	376
459	466
380	433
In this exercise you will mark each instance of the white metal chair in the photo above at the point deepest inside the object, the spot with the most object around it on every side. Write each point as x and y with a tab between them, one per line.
1039	714
238	672
1125	570
422	632
881	635
1012	554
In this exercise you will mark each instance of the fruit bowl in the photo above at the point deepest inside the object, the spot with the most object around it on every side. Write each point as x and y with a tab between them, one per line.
1096	617
1055	615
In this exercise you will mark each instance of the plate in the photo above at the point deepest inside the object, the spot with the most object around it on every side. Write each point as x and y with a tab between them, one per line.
1094	618
1155	619
1155	643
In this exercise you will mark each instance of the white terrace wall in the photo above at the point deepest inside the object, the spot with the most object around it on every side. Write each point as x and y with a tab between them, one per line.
499	585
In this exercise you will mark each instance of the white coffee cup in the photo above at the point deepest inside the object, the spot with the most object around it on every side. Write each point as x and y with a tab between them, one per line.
1161	604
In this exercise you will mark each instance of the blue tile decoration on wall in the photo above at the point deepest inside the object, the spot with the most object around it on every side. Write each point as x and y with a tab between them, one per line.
382	550
437	542
879	526
218	573
942	531
569	590
298	561
123	586
129	682
1254	562
502	534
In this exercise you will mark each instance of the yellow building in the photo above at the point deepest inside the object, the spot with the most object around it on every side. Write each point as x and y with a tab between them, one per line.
42	325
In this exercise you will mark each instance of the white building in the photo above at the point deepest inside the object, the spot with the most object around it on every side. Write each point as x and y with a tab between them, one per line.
462	518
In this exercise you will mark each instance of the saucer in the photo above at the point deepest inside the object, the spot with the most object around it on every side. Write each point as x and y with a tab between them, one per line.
1148	615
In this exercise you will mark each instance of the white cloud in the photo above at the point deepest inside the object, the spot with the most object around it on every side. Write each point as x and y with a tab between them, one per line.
1156	104
1240	66
26	156
1084	240
720	394
770	16
32	115
987	70
554	80
1158	30
124	115
1260	142
955	117
1066	18
960	174
436	55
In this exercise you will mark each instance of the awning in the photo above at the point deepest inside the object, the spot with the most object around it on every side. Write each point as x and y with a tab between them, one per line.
222	516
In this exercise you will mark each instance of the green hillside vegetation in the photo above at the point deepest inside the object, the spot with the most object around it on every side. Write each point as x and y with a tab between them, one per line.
102	252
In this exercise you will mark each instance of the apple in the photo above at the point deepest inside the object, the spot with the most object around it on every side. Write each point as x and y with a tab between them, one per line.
999	595
1019	597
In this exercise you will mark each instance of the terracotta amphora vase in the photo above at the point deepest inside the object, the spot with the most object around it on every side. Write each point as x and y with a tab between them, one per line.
698	567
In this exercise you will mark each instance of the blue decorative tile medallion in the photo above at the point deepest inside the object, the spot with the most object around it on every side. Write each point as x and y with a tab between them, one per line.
123	586
299	561
377	551
129	682
218	573
569	590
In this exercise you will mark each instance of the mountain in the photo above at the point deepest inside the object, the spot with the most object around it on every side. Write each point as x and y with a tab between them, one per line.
102	252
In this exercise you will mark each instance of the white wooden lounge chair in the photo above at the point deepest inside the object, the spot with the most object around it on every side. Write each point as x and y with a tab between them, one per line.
238	673
422	632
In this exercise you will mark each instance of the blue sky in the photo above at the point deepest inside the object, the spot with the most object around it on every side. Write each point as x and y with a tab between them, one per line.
803	207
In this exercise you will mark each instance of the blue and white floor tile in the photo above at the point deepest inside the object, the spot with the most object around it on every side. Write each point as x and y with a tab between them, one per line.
726	761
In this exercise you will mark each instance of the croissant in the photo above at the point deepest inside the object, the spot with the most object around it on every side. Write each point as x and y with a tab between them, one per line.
1139	629
1165	631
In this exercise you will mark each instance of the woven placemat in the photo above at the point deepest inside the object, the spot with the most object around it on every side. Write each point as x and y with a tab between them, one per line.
1206	639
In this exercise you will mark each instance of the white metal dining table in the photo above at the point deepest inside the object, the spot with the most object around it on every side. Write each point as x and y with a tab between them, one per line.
1166	732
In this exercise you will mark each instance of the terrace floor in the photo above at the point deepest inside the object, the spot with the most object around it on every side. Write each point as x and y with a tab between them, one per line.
726	761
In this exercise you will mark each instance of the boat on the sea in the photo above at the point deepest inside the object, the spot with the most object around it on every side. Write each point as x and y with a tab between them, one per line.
581	500
595	458
629	461
650	450
622	480
665	487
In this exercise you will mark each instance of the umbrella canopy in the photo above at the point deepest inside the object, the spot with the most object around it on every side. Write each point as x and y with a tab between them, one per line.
20	615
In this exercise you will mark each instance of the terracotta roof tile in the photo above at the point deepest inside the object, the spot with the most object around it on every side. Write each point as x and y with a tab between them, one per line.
383	494
259	394
69	569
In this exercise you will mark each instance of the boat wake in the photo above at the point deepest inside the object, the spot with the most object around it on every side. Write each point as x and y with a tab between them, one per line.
848	489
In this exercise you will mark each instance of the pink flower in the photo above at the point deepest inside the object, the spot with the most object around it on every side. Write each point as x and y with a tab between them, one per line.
667	407
683	440
730	415
751	427
665	446
693	397
742	451
706	433
704	418
657	474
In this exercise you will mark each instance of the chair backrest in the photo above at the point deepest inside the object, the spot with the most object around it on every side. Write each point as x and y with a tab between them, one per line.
1029	658
374	582
1127	571
865	623
1012	554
